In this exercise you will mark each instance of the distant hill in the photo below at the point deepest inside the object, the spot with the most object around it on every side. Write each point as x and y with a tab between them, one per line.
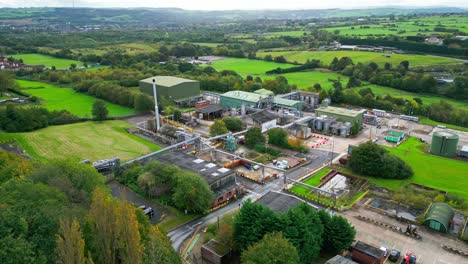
155	16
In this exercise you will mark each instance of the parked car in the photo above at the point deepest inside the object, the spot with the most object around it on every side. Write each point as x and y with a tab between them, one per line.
394	255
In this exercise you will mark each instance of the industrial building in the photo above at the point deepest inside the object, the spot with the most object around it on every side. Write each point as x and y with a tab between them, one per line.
184	92
264	119
444	144
341	114
323	124
439	217
239	99
222	181
264	92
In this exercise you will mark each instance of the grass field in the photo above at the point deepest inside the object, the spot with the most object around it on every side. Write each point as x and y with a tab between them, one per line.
57	98
89	140
246	66
313	180
360	56
427	121
306	80
429	170
48	61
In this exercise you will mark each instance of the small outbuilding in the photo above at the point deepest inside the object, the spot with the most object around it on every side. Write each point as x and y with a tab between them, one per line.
279	202
209	112
214	252
439	217
264	119
338	259
366	254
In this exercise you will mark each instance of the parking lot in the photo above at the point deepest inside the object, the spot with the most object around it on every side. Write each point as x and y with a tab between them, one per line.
428	250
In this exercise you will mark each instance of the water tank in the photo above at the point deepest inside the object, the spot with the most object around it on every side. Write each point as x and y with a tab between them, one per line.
444	144
319	123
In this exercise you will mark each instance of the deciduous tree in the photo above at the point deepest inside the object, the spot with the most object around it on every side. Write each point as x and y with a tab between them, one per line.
273	248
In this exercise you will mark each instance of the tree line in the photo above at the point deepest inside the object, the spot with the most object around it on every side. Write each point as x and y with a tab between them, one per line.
62	212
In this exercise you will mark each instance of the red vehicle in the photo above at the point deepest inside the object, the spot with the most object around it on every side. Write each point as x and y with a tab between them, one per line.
409	258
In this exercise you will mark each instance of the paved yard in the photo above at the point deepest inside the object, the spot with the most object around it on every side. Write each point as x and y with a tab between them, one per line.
428	251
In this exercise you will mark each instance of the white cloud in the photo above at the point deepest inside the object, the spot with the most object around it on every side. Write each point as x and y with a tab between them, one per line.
231	4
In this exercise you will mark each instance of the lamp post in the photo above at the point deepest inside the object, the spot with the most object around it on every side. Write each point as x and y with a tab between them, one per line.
156	109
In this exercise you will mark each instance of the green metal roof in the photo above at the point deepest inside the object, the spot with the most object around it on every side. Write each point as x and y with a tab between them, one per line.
396	133
440	212
167	81
392	139
285	102
264	91
340	111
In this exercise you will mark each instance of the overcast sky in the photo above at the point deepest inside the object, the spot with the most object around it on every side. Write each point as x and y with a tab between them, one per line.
232	4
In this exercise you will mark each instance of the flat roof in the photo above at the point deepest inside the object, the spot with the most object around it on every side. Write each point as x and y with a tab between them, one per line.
369	250
264	91
279	202
262	116
217	248
254	98
338	259
167	80
209	109
340	111
210	171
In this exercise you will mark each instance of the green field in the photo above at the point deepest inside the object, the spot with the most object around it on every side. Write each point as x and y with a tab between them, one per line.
57	98
360	56
427	121
429	170
89	140
411	27
313	180
306	80
246	66
48	61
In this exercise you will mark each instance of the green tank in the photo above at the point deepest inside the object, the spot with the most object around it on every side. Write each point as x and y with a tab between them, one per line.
444	144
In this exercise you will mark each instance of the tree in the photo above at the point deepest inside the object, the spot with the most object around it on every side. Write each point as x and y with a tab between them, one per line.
218	128
177	115
7	81
70	243
254	137
129	248
233	124
353	82
252	222
99	111
317	87
273	248
72	66
338	233
373	160
192	193
278	137
158	249
405	64
302	227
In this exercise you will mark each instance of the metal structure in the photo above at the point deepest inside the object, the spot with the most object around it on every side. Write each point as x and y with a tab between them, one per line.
444	144
156	108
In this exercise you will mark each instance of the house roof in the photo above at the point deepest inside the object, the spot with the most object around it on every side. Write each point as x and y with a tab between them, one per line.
440	212
262	116
279	202
167	81
368	250
340	111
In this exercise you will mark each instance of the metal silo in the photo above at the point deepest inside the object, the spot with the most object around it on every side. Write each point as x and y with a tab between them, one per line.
318	123
444	144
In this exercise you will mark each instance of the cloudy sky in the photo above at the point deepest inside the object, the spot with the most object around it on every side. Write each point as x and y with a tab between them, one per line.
232	4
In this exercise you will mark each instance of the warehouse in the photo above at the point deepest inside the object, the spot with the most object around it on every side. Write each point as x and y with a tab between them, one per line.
342	114
439	217
236	99
184	92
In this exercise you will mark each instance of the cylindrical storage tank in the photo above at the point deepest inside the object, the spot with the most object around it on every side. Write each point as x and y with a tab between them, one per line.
326	124
311	124
444	144
318	123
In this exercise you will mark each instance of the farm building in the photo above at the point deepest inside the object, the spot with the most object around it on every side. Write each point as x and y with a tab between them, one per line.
264	119
341	114
236	99
439	217
214	252
279	202
366	254
183	92
222	181
444	144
